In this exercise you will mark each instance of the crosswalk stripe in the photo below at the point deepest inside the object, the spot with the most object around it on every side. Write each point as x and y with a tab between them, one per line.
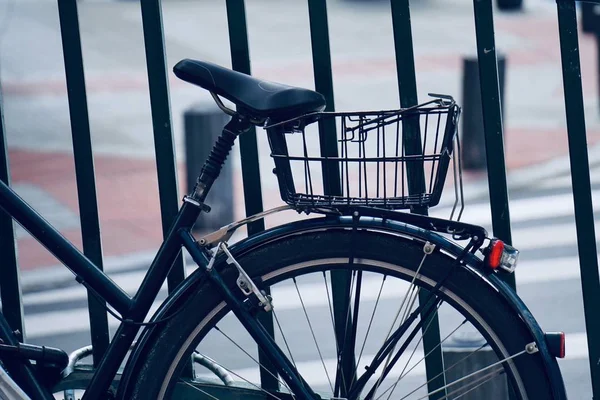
527	209
539	271
285	297
128	281
64	322
527	239
564	182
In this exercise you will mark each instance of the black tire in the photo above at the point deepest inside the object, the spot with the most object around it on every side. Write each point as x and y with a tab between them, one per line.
376	253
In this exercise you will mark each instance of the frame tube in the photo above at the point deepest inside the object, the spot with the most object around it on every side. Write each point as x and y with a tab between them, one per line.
142	301
63	250
20	369
265	342
10	287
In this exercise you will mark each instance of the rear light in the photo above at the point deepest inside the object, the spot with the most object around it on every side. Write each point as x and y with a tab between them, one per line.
494	253
500	255
556	343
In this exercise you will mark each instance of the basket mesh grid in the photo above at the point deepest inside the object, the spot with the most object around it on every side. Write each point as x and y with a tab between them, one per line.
378	153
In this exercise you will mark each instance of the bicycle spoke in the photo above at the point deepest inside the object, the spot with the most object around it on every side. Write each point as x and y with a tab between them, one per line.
391	361
477	382
405	373
330	310
424	331
356	306
284	339
253	359
340	377
370	322
421	340
410	296
406	297
413	298
312	333
389	345
199	390
464	377
438	375
253	384
362	348
480	371
337	345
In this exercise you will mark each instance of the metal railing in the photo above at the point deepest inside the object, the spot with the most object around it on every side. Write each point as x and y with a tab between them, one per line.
407	88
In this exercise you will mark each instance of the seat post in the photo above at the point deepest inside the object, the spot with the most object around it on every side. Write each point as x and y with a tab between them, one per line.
212	166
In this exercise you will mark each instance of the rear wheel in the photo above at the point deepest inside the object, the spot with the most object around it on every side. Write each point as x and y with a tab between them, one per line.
386	277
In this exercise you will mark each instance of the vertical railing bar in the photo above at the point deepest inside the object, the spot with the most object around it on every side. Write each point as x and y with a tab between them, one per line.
323	74
240	61
164	147
580	177
84	165
492	123
10	287
407	86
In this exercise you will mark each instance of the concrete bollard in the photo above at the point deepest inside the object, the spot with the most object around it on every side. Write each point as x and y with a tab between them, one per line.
590	18
510	5
454	352
590	23
203	123
473	137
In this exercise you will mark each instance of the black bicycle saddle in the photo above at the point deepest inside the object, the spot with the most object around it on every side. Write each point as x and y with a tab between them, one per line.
255	97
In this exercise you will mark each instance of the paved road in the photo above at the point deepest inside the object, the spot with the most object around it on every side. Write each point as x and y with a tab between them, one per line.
547	279
35	107
365	77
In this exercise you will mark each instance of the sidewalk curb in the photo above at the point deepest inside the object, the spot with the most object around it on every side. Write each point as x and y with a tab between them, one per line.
59	276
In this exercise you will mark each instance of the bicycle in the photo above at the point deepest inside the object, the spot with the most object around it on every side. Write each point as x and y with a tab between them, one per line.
408	264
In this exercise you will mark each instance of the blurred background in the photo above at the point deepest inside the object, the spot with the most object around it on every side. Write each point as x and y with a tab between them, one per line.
36	117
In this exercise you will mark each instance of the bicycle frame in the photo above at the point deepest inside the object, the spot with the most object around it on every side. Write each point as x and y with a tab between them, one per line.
130	308
134	309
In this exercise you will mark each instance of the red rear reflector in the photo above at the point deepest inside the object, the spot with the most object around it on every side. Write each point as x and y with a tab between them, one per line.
494	256
556	343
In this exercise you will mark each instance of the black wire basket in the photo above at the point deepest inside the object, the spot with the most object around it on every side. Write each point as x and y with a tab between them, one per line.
395	159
